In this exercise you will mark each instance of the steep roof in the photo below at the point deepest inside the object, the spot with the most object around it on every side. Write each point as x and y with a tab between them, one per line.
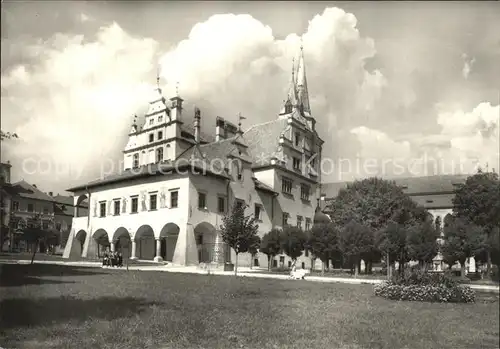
67	200
204	137
263	140
410	185
25	190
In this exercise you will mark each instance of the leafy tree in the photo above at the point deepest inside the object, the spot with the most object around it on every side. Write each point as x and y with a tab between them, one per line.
376	203
478	201
293	241
462	239
324	242
33	232
422	243
239	231
355	240
392	241
270	245
7	135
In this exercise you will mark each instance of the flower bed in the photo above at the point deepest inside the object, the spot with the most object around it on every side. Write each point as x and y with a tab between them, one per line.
425	287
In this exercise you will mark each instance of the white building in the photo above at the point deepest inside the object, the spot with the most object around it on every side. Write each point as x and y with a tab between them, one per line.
177	183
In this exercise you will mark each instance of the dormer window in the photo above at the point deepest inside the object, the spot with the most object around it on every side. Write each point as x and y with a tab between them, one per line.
288	107
151	121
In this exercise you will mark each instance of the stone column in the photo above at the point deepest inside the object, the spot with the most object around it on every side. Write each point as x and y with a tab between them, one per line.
132	251
158	257
112	245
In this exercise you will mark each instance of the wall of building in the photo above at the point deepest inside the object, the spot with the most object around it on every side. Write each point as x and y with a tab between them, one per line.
142	188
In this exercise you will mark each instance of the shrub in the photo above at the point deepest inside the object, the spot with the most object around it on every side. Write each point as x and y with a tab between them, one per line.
424	287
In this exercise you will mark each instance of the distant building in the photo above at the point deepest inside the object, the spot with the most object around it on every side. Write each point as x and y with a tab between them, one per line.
177	183
27	202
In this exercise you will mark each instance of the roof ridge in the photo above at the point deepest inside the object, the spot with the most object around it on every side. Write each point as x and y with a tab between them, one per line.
261	124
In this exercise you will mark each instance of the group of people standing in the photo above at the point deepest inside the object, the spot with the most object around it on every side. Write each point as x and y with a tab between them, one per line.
112	259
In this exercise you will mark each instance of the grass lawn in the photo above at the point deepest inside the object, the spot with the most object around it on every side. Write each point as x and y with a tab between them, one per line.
52	306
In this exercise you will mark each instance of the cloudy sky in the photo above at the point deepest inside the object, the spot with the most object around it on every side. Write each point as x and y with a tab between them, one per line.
398	88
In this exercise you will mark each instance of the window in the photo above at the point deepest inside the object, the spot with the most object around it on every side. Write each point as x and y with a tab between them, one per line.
286	185
160	118
202	200
159	155
151	121
288	107
221	204
239	203
285	219
136	160
160	135
299	222
45	210
307	252
297	139
134	204
31	208
308	223
304	192
153	200
117	207
151	137
303	265
102	209
45	225
174	199
289	264
296	164
258	210
15	205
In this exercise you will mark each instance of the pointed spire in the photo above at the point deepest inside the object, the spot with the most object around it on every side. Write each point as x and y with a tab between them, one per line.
303	93
157	95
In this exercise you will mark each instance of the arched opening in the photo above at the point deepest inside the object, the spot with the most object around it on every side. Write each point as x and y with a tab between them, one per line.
121	237
101	238
159	155
145	240
209	244
82	206
80	241
168	238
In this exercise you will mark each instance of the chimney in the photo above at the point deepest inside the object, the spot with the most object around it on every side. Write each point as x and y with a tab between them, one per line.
197	118
220	130
34	186
50	193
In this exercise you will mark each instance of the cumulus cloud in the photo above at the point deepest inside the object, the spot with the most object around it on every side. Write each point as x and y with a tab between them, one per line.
467	140
73	107
75	104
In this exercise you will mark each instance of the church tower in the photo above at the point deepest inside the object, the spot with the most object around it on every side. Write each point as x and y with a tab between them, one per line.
156	140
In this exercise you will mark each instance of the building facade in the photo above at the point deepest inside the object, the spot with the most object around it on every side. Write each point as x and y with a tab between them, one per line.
26	204
177	183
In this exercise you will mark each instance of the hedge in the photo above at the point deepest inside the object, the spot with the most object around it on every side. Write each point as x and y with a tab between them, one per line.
424	287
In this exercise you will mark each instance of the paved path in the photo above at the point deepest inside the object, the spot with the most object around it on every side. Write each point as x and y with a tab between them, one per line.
242	272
